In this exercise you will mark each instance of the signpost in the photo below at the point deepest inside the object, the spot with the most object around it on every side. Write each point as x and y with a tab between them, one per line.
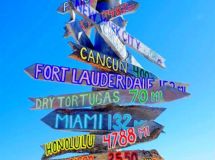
117	118
101	120
91	143
123	155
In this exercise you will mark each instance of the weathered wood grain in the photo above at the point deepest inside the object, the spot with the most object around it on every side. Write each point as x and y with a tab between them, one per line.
119	10
100	98
92	143
62	74
101	120
122	155
111	64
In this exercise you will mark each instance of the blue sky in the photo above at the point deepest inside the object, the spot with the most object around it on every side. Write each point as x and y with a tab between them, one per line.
181	31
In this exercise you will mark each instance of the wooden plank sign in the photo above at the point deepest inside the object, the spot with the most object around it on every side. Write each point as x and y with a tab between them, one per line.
120	155
107	27
74	29
101	120
121	9
138	69
107	63
100	98
97	78
91	143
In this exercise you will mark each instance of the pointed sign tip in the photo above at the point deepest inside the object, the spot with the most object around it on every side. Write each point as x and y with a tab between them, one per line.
33	108
73	45
31	99
43	119
30	70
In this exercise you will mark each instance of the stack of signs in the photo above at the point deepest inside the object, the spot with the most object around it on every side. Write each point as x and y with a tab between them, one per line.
115	114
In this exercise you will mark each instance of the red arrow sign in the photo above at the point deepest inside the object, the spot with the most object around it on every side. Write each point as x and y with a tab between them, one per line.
92	143
120	155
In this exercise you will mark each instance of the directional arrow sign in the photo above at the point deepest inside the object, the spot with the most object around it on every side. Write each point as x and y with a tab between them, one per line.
122	155
121	9
97	78
108	28
107	63
101	120
81	37
138	70
91	143
98	98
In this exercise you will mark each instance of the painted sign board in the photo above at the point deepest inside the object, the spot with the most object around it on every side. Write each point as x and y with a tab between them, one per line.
101	120
91	143
121	9
138	69
97	79
103	25
107	63
105	97
120	155
124	8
